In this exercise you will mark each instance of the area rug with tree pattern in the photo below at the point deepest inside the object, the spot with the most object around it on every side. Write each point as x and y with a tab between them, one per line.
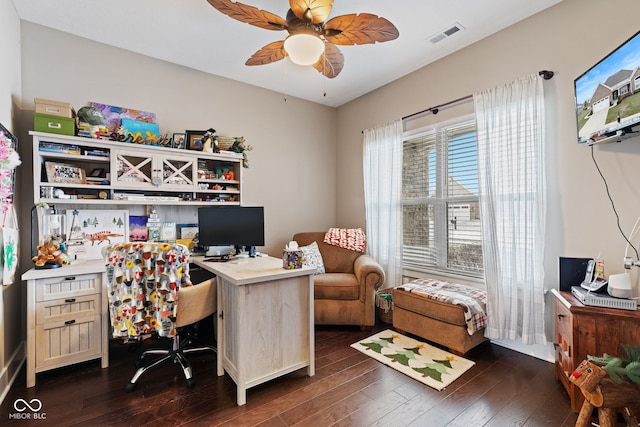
423	362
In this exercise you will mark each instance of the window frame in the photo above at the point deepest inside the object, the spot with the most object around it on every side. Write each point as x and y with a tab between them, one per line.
440	201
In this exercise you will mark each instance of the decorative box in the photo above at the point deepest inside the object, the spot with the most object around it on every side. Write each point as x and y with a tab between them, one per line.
54	124
54	108
291	259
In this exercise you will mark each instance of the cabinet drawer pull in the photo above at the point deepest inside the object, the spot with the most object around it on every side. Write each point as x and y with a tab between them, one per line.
70	322
70	278
560	316
70	300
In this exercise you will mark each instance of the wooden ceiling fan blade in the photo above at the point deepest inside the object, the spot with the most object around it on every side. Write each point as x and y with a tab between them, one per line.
250	15
267	54
331	62
364	28
315	11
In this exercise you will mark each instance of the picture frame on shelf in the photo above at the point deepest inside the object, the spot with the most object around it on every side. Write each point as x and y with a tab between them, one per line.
193	139
168	232
179	141
65	173
138	231
97	173
187	231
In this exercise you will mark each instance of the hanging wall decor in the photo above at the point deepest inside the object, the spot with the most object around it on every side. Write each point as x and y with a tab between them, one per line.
9	160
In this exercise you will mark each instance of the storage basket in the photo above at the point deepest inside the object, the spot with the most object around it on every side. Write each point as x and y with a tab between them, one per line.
384	305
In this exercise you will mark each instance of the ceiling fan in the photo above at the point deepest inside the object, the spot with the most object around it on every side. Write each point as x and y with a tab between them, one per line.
312	39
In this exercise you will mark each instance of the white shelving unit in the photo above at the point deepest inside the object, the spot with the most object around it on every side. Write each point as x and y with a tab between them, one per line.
128	173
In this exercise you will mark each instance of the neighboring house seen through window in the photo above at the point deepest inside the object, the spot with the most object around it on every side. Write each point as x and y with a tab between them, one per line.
441	217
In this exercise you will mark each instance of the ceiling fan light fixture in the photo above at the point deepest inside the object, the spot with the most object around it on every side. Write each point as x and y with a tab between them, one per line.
304	49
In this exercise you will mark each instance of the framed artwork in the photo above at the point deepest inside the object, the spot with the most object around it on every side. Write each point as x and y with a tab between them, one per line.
92	230
138	228
168	232
187	231
179	140
194	139
97	173
62	172
113	115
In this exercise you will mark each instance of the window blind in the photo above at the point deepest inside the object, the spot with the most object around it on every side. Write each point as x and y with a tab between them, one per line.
441	215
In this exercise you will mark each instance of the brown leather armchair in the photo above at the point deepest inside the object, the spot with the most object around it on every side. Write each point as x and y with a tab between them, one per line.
345	294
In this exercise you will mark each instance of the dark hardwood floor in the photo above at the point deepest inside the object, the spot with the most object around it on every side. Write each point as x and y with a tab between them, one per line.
504	388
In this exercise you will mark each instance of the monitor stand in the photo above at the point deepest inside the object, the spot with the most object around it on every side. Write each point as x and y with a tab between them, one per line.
213	255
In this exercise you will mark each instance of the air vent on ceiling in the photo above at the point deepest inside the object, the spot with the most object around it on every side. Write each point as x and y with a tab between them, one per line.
446	33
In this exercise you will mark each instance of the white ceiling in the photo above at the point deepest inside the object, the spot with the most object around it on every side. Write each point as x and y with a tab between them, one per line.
194	34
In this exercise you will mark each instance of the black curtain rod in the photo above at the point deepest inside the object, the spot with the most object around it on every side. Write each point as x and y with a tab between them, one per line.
434	110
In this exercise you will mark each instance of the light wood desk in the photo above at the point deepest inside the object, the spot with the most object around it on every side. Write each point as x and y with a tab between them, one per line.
265	320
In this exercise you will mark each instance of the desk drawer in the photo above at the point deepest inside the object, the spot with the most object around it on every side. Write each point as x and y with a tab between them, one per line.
564	340
65	342
67	309
70	286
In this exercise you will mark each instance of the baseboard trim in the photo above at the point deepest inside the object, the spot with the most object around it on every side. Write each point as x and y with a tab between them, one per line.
539	351
11	370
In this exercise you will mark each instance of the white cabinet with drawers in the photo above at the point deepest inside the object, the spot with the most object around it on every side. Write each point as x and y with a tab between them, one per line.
67	317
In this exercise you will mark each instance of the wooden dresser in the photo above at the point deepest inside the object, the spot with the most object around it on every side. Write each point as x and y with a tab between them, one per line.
582	331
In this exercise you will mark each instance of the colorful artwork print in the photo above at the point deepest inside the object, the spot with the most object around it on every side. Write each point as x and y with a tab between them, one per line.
9	160
92	230
113	115
138	228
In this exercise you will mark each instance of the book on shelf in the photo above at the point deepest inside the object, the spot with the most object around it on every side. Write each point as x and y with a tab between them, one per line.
54	147
98	153
142	197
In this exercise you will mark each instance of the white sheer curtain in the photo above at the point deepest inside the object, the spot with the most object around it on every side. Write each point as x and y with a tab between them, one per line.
382	197
511	167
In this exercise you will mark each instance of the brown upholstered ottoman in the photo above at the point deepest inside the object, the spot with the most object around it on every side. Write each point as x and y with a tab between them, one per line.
436	321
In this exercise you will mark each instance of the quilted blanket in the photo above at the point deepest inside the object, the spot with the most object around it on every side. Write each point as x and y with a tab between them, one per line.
143	280
472	300
348	238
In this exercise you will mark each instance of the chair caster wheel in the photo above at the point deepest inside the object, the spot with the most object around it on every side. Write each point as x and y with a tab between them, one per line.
191	382
130	387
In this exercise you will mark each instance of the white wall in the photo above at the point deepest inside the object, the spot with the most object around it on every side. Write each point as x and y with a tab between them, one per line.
580	219
11	305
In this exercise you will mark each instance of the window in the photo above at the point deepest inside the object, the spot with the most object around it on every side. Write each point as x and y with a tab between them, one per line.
441	217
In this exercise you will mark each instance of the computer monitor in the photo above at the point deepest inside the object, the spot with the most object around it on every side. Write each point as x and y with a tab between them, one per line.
231	226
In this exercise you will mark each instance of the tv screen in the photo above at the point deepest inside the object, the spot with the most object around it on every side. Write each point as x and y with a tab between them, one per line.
231	225
608	96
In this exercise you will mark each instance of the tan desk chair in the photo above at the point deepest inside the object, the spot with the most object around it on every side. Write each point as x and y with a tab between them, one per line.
150	293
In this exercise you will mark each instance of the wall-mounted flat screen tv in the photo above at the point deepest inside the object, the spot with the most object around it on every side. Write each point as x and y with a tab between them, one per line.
608	96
